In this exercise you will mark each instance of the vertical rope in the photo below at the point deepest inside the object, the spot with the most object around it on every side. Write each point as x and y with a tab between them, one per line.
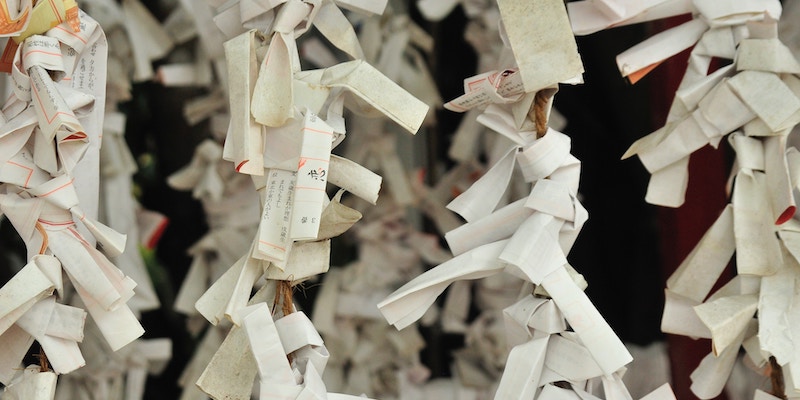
44	366
45	242
540	113
776	376
283	296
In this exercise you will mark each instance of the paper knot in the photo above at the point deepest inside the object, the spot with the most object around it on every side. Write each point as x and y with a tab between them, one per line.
543	157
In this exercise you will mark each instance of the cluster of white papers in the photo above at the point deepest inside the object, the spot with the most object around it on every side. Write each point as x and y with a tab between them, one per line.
231	206
708	107
283	124
755	102
561	347
397	47
51	129
232	212
135	35
367	355
114	374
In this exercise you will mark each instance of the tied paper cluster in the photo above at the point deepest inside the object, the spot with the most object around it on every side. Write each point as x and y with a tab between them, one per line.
283	124
51	128
754	102
529	237
123	373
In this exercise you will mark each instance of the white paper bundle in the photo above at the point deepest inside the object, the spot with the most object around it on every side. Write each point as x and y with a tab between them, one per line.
283	124
367	355
50	195
555	333
755	102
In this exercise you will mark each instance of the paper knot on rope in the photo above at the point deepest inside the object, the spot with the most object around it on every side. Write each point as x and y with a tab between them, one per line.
538	337
284	124
755	102
528	238
32	313
56	106
53	120
259	346
765	262
708	106
103	288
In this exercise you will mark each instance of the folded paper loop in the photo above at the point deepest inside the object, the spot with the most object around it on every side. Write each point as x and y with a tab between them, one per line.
272	101
529	315
271	340
590	16
544	156
42	51
244	141
749	151
334	25
291	14
102	287
779	180
24	290
47	318
483	196
554	198
62	124
60	193
738	13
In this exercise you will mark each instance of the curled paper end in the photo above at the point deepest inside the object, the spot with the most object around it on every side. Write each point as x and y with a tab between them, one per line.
636	76
628	154
786	215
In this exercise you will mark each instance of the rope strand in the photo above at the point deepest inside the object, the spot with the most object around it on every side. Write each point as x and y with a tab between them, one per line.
776	376
45	242
540	113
